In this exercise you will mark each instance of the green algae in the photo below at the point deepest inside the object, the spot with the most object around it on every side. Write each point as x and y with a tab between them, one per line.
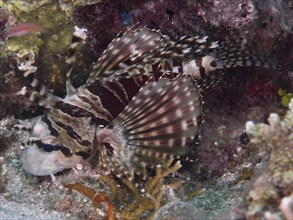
286	97
17	7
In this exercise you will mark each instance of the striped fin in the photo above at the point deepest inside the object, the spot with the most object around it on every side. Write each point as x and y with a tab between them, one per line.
73	117
211	80
189	38
80	102
191	47
239	50
40	93
117	90
235	51
162	121
127	53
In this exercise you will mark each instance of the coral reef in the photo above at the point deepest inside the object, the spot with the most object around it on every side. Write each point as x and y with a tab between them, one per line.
215	177
274	141
48	54
38	49
44	53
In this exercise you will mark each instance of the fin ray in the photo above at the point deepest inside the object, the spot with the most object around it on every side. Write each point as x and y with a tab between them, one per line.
125	54
169	131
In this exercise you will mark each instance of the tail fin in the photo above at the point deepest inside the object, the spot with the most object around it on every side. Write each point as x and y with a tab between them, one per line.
162	121
238	51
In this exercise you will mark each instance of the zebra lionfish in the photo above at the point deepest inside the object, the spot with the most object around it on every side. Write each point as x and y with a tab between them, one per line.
161	121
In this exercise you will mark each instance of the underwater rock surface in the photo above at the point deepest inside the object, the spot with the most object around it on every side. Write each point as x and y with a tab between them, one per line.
231	174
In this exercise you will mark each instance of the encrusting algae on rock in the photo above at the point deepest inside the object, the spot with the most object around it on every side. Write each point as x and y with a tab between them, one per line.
49	47
274	141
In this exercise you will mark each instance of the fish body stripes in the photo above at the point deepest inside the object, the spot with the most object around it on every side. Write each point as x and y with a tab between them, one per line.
140	106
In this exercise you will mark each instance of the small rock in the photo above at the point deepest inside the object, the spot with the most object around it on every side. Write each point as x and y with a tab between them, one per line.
178	210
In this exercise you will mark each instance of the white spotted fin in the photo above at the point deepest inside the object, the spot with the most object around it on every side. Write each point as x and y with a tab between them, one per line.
162	121
243	51
129	54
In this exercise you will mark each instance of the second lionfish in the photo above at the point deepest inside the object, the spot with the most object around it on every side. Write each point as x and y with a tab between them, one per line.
161	121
